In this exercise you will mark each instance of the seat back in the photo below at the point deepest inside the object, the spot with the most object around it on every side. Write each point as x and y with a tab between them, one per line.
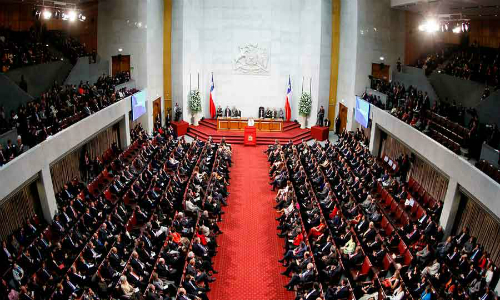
366	267
402	247
408	258
387	262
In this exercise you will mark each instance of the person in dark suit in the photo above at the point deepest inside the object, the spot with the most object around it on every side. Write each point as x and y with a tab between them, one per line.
312	294
321	116
327	122
193	289
227	112
151	293
301	278
338	292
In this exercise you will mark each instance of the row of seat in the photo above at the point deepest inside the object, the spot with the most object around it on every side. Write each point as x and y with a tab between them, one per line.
130	223
209	182
49	234
453	128
308	285
401	256
489	169
369	271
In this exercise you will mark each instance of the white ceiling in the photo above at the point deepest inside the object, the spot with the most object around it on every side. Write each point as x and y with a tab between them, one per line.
470	9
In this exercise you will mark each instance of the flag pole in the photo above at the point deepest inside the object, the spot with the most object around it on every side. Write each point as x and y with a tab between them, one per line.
190	82
310	84
302	84
198	81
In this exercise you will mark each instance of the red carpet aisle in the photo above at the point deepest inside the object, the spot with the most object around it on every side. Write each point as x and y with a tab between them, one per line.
249	248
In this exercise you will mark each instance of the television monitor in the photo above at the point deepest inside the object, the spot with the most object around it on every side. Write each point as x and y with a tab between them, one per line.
138	105
362	112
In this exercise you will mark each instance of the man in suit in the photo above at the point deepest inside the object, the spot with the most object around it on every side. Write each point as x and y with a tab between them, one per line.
227	112
151	293
338	292
301	278
190	286
320	117
312	294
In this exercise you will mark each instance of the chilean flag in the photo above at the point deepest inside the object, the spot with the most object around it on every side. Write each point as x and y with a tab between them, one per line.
288	111
212	96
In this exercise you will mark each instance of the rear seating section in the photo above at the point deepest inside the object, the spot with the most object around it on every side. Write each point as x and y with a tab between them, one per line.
489	169
401	231
97	239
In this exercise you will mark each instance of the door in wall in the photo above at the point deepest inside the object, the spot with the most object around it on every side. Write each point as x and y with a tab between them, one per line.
156	109
381	71
343	116
120	63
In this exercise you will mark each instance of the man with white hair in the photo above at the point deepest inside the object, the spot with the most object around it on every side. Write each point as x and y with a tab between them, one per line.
21	148
164	270
301	278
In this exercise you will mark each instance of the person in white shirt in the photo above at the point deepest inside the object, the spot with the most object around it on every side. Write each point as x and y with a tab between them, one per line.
398	293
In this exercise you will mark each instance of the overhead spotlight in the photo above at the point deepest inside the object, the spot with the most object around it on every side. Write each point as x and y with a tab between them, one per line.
429	26
71	15
467	27
36	12
463	27
446	27
456	29
81	17
47	14
57	15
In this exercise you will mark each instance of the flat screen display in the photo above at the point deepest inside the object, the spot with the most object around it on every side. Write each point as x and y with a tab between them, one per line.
138	105
362	112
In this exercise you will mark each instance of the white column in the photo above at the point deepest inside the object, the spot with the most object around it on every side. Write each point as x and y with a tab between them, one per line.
450	206
124	131
46	194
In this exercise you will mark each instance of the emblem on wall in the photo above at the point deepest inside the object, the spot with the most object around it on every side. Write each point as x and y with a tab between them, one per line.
252	59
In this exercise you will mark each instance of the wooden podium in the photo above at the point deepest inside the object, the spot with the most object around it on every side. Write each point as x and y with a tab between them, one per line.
270	125
250	136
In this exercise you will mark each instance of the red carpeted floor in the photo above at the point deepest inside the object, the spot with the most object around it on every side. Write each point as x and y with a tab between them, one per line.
249	248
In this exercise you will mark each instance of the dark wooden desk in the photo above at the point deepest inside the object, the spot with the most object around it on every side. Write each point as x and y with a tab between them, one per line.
275	125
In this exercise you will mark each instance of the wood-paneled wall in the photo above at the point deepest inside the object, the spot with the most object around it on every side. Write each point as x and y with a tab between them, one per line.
18	208
419	44
431	180
69	167
19	17
435	183
393	148
482	225
485	32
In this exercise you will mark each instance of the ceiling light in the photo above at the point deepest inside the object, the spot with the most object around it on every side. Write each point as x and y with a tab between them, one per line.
456	30
71	15
120	49
382	58
429	26
47	14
